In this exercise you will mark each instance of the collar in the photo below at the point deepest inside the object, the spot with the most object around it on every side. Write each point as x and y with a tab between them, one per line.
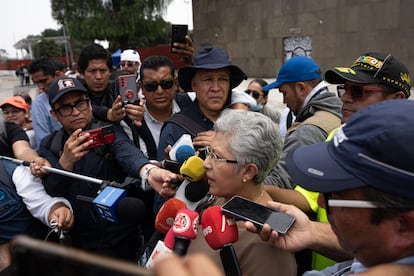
322	87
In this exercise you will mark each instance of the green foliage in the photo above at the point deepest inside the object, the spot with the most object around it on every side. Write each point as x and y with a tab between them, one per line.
124	23
48	47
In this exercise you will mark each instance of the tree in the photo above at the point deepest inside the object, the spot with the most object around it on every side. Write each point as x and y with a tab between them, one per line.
124	23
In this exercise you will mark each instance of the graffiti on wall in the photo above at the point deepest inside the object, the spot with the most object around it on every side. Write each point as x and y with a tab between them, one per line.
297	46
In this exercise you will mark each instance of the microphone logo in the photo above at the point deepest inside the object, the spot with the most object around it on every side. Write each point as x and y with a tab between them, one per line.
183	223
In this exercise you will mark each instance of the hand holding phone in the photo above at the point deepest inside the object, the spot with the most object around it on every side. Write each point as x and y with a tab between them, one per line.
178	33
243	209
128	89
100	136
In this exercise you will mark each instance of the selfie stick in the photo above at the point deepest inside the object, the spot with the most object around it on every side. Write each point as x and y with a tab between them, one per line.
103	183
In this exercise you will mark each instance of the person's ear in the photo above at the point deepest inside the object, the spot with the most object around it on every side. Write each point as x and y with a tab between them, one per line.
54	115
396	96
250	171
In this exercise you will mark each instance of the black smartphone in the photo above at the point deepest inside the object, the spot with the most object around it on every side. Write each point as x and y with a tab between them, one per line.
178	33
243	209
128	89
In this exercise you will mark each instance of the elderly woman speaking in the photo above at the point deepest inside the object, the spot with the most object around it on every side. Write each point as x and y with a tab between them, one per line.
245	148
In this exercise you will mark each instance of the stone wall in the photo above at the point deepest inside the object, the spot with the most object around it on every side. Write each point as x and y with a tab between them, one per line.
253	32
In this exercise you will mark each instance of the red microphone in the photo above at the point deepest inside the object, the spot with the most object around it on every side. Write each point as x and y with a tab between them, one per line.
184	229
220	231
169	239
166	215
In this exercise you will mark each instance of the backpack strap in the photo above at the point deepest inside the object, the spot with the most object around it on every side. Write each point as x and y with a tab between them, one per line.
186	123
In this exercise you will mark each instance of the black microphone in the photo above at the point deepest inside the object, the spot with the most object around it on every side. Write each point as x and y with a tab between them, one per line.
128	209
195	191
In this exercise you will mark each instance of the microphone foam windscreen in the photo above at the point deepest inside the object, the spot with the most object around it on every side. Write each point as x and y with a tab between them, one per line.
169	239
130	209
186	224
195	191
192	169
218	229
166	215
183	153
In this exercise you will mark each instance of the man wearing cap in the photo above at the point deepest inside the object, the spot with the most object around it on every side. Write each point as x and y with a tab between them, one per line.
130	62
68	149
317	110
364	176
15	110
359	86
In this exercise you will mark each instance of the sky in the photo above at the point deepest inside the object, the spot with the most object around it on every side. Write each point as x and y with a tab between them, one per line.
21	18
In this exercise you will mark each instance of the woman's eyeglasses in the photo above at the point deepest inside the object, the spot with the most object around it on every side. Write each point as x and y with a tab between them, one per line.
255	94
216	159
151	86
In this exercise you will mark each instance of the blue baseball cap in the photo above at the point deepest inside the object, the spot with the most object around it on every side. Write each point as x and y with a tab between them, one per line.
298	68
373	149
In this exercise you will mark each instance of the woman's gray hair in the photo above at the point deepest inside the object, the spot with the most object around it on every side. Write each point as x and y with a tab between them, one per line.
253	138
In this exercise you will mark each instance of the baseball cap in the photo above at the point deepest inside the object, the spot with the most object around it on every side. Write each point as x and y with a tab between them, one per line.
373	149
131	55
62	86
210	58
15	101
298	68
373	68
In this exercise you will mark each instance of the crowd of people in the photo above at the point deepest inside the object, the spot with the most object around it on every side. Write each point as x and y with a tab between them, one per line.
342	168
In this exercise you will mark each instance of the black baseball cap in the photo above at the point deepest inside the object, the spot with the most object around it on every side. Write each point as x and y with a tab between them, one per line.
62	86
373	68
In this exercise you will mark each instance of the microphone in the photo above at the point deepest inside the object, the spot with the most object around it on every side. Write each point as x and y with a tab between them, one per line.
183	146
161	248
195	191
220	231
192	169
166	215
183	153
106	201
184	229
127	209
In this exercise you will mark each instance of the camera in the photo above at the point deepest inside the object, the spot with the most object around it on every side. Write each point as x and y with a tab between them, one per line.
128	89
100	136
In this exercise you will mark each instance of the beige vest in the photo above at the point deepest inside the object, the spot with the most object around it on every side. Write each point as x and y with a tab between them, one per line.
322	119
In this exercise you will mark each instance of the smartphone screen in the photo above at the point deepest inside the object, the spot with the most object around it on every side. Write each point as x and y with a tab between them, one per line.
178	33
244	209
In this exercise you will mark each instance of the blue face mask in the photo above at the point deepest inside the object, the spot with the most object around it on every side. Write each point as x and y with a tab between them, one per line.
256	107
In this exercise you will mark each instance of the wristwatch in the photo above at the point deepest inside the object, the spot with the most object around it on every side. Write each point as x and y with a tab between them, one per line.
144	177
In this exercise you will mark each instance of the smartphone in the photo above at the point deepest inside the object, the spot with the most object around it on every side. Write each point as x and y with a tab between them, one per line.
128	89
178	33
100	136
244	209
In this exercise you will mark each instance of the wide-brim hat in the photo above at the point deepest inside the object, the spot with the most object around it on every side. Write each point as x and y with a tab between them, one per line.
210	58
373	68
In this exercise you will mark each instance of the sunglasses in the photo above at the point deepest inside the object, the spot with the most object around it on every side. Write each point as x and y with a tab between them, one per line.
151	86
127	63
255	94
357	91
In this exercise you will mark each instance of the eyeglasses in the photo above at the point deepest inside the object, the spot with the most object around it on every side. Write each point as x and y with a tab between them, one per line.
67	109
255	94
127	63
216	159
348	203
357	91
151	86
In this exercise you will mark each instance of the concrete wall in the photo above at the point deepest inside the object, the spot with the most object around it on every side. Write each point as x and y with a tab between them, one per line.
340	30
